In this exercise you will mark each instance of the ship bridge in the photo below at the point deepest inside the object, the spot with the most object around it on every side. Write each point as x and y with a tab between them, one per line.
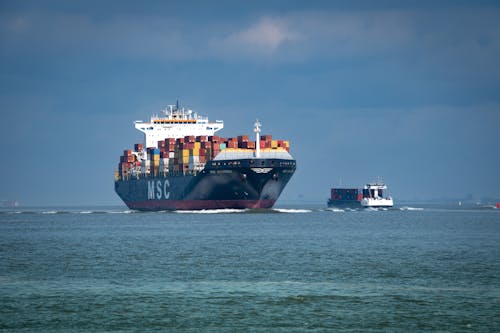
176	122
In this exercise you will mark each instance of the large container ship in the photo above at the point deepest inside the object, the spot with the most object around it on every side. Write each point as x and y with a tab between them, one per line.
184	165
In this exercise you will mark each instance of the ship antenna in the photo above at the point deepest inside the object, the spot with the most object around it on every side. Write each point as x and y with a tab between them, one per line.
257	138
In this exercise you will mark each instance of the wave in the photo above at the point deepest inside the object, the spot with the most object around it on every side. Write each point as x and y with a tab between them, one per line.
285	210
105	212
120	212
211	211
50	212
335	210
410	208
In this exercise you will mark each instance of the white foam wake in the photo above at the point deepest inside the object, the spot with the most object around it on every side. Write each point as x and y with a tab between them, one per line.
336	210
284	210
211	211
410	208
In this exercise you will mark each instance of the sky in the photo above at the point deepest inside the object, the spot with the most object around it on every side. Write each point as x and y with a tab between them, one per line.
403	91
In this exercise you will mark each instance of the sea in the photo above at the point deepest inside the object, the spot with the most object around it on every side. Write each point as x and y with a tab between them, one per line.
297	268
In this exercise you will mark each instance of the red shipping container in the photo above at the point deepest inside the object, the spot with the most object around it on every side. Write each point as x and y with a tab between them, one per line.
201	138
124	166
189	138
127	152
232	144
138	147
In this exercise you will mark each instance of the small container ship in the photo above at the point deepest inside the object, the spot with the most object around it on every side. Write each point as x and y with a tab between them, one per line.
183	165
370	196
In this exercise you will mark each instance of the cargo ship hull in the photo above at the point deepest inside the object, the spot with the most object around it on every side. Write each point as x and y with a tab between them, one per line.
345	198
344	203
222	184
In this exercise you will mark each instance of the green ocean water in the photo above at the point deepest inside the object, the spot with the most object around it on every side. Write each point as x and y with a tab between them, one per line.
305	269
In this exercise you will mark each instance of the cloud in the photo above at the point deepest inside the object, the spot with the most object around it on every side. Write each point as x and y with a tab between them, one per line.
291	36
262	38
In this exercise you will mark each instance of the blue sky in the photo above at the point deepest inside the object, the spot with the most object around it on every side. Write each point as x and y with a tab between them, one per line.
404	90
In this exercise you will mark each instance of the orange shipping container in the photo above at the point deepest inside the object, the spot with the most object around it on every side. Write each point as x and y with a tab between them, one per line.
232	144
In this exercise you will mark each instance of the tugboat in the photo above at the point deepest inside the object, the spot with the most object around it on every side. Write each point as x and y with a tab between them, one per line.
373	196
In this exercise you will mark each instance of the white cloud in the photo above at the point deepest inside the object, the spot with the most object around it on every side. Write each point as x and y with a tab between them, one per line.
438	36
263	37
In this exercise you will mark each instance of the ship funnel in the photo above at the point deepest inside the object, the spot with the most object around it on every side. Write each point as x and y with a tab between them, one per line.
257	138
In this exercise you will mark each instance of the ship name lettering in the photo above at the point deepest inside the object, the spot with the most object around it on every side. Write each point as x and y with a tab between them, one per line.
165	186
158	190
151	187
162	189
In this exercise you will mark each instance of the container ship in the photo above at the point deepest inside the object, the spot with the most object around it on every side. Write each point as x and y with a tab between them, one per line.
183	165
370	196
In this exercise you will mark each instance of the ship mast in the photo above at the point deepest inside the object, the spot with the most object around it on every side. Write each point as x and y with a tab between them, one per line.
257	138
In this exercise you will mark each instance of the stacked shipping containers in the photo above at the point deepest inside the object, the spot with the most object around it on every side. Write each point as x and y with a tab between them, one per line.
346	194
187	154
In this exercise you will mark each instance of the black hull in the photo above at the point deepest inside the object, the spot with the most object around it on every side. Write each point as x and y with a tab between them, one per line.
247	183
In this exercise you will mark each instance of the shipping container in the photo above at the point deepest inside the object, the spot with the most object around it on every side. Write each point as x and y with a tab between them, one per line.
232	144
189	138
243	138
266	137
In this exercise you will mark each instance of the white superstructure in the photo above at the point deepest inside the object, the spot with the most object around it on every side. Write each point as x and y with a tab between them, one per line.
257	138
176	122
373	196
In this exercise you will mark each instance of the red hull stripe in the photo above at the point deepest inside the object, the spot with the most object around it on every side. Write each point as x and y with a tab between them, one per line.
198	204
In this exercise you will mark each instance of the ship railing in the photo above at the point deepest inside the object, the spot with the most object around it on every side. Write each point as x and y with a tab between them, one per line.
146	175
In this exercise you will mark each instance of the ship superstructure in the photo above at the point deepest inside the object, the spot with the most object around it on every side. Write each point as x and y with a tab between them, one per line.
176	122
373	196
